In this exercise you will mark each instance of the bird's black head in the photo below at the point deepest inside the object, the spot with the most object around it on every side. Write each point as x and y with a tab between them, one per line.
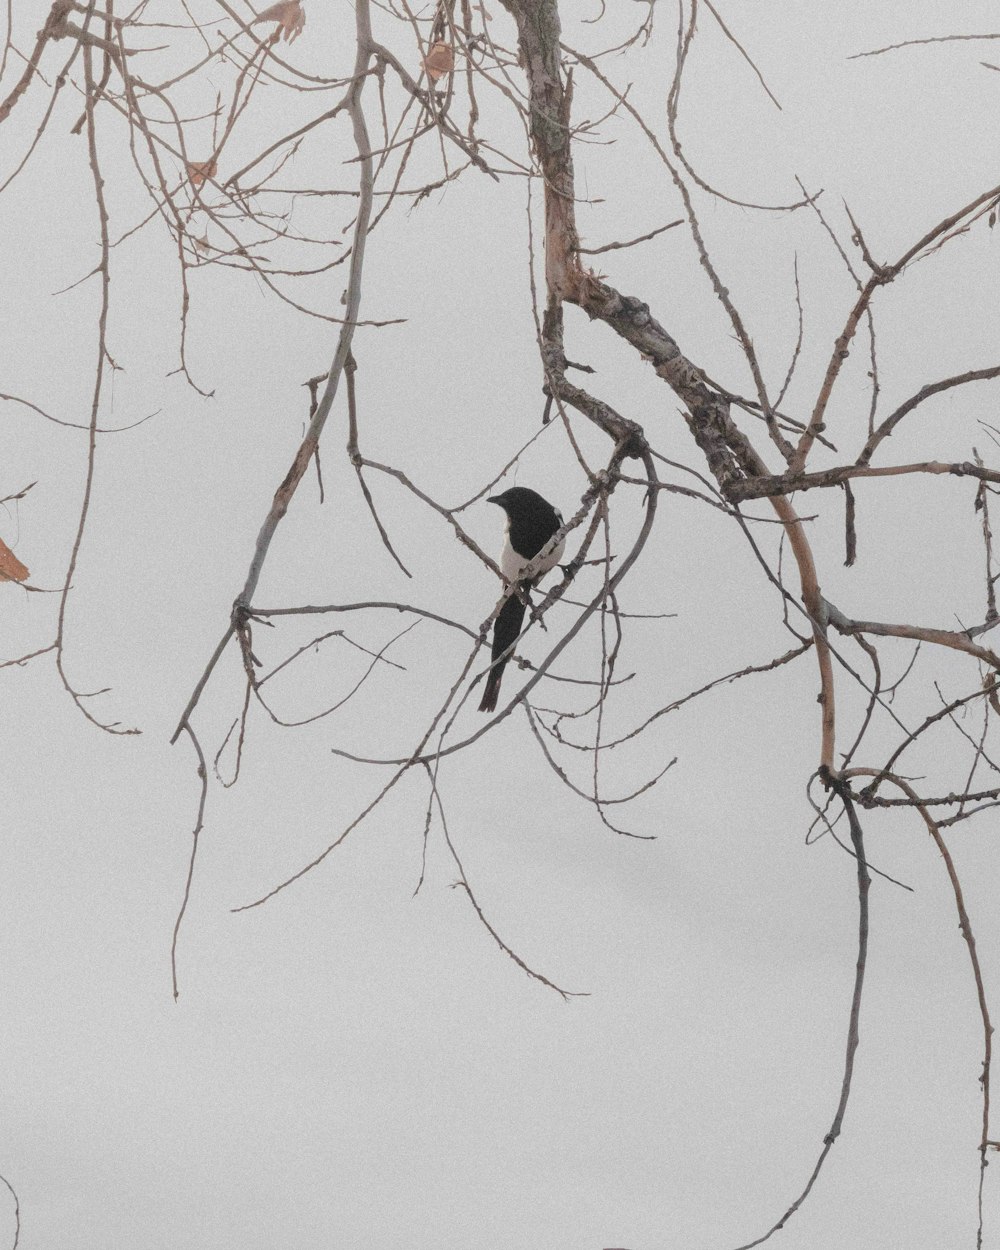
519	501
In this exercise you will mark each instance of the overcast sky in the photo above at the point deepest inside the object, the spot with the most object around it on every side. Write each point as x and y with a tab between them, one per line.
354	1065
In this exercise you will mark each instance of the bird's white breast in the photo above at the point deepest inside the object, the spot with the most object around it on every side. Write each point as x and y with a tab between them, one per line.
511	564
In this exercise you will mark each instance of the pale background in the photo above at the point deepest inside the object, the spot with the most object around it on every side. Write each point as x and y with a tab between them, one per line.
350	1066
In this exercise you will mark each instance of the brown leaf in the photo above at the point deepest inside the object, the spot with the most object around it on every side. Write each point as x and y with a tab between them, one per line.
289	16
11	568
198	171
439	61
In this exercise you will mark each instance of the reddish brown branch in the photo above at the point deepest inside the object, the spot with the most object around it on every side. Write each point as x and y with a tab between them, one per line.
729	454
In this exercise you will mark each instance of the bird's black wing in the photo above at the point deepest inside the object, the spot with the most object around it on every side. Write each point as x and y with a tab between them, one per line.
531	528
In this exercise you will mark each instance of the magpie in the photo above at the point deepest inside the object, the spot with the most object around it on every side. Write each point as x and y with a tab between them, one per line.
531	523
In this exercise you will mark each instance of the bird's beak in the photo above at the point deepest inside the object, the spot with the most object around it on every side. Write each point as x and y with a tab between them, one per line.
495	499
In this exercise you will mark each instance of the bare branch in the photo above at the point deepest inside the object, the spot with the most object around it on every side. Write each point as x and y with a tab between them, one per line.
864	884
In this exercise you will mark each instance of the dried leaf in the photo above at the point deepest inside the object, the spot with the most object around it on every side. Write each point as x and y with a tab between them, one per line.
289	16
11	568
198	171
439	61
203	245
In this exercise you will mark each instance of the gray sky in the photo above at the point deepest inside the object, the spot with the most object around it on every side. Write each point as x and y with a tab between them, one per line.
353	1066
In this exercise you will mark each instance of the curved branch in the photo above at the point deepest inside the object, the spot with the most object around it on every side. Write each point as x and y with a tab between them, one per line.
954	639
864	883
310	442
195	834
886	427
307	448
787	483
968	936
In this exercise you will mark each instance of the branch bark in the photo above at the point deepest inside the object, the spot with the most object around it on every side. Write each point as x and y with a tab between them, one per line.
729	454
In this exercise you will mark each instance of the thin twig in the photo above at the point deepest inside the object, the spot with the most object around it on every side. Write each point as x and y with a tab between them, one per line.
864	883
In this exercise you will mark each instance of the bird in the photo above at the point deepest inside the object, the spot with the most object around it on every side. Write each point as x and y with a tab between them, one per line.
531	523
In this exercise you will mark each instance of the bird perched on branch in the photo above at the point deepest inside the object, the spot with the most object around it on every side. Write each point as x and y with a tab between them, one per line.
531	523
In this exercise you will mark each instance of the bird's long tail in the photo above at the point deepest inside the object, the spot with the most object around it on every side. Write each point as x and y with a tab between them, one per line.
505	632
